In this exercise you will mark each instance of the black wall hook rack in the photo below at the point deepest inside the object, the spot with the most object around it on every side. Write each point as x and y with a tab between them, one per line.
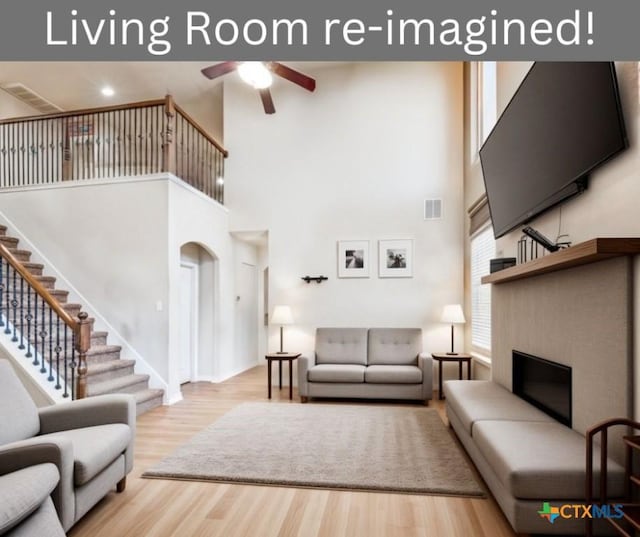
317	279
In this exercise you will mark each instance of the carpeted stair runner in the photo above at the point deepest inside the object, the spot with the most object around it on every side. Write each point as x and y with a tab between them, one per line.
106	371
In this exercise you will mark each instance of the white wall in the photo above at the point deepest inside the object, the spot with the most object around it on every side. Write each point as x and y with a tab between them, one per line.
118	245
193	217
354	160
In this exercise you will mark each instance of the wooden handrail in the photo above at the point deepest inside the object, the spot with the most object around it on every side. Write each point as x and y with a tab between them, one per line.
201	130
85	111
39	288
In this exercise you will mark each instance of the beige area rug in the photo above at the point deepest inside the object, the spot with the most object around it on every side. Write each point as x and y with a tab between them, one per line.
372	448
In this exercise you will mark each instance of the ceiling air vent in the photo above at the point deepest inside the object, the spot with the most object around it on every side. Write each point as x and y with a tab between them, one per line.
30	97
433	209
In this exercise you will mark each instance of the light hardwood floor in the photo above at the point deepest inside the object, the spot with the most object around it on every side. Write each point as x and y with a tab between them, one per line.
159	508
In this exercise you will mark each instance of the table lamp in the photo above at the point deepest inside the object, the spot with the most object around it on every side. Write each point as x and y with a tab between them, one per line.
453	314
281	315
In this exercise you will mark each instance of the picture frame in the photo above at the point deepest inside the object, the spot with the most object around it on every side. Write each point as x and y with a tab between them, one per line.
353	259
395	258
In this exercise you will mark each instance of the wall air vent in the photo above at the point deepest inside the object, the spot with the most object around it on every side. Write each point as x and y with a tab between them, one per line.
30	97
433	209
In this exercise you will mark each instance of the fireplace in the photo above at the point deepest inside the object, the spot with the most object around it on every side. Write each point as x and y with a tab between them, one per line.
544	384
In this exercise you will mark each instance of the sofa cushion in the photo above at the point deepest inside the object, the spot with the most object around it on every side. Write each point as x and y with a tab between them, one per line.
541	460
341	346
19	413
394	346
336	373
478	400
23	491
94	448
393	374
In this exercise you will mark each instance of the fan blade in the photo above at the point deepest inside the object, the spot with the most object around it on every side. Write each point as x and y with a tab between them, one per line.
219	69
292	75
267	101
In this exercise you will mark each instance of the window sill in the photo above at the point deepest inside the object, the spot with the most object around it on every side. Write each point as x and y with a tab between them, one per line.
481	359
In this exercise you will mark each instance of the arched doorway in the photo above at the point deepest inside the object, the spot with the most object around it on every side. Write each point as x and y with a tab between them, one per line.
197	298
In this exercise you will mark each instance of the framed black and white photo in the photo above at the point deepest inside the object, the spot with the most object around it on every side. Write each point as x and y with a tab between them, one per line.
395	258
353	259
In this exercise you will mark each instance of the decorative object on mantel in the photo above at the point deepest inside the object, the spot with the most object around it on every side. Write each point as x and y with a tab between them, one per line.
453	314
281	315
317	279
582	253
353	259
395	258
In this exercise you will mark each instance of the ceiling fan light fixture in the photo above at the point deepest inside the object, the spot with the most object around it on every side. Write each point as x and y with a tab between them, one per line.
255	74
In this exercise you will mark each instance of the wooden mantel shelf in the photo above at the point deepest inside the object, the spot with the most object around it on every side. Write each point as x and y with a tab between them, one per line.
586	252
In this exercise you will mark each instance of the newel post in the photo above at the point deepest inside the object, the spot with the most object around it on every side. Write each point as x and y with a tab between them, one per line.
168	151
83	342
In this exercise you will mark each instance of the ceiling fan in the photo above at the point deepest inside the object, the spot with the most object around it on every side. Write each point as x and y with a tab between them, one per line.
259	75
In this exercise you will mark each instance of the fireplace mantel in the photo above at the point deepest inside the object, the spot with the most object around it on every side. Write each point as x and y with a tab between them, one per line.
583	253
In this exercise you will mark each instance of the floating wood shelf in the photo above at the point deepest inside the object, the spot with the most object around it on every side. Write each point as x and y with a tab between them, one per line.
586	252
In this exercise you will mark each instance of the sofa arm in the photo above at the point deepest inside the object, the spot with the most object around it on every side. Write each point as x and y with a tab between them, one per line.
98	410
56	450
425	363
304	364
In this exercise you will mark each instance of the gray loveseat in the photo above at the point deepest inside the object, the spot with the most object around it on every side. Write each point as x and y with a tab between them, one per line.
376	363
525	456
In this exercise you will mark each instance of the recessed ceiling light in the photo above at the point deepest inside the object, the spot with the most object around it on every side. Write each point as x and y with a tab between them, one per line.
220	180
107	91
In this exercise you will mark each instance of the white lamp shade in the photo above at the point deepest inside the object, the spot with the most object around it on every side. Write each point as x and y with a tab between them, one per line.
453	314
282	315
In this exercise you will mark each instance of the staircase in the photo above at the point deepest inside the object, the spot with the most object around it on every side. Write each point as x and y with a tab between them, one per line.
106	371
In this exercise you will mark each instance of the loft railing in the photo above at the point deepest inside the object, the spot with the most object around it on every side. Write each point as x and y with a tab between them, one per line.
128	140
54	342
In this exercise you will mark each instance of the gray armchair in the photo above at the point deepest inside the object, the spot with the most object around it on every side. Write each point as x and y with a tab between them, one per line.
26	509
90	442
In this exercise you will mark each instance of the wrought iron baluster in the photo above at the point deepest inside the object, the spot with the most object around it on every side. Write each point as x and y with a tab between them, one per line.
2	287
14	305
29	318
21	346
7	300
43	335
50	378
35	331
66	361
58	349
73	366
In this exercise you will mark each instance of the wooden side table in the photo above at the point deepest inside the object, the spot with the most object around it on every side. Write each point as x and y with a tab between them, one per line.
281	357
444	357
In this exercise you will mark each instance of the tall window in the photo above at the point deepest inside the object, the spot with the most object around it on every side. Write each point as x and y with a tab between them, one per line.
483	249
488	98
484	102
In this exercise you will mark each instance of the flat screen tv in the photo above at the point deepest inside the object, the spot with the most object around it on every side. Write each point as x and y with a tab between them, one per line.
544	384
564	120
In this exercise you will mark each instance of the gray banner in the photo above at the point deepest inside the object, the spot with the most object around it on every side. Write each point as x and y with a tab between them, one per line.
319	30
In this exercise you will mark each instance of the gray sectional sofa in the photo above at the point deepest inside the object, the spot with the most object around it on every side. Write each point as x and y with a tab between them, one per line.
524	455
376	363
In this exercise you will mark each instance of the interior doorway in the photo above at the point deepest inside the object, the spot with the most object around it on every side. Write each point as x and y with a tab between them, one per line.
197	306
188	308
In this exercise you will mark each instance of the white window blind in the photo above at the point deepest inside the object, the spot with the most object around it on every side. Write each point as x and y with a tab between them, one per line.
483	249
